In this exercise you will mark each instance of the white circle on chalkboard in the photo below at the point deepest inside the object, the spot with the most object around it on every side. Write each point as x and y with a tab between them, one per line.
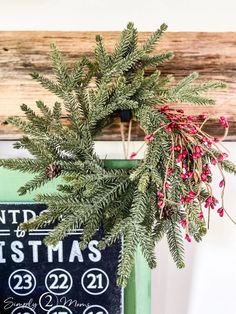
62	281
25	281
96	281
49	299
96	308
15	311
59	309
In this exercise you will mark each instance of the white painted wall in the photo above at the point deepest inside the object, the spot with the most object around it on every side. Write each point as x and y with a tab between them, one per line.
207	284
180	15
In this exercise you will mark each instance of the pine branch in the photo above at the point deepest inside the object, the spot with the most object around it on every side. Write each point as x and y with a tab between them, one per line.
54	211
147	245
206	86
44	110
92	226
59	67
158	59
38	149
174	238
127	256
21	124
228	166
22	164
102	56
39	122
62	229
185	82
126	63
33	184
160	229
144	182
126	44
47	84
154	38
114	234
78	73
139	207
197	228
57	115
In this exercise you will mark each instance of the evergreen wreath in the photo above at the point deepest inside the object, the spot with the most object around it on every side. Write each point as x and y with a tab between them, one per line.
167	193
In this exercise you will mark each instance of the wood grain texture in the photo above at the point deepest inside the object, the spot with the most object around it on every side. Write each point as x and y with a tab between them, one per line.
213	55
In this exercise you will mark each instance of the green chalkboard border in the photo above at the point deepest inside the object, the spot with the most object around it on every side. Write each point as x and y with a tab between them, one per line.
137	294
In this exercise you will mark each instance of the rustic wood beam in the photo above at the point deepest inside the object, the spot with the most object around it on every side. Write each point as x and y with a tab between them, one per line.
213	55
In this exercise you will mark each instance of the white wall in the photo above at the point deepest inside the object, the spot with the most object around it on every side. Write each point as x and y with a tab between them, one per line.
180	15
207	284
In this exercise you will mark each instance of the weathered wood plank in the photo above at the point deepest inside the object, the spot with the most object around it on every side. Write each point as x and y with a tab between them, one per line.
213	55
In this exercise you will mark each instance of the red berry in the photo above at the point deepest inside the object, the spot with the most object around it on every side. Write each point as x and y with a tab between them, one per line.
149	137
132	155
192	194
183	223
220	211
214	161
187	237
224	122
167	185
222	183
222	156
201	216
160	194
203	115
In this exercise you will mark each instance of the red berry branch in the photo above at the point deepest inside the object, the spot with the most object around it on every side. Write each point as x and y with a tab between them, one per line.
191	155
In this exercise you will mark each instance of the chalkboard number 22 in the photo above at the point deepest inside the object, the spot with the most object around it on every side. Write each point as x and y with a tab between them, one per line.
55	285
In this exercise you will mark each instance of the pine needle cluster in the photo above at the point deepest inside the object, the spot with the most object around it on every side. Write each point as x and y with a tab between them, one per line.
163	194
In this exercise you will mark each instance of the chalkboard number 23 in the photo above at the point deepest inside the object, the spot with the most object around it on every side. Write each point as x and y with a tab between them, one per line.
23	282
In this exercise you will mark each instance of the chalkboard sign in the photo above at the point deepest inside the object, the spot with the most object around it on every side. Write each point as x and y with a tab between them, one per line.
36	279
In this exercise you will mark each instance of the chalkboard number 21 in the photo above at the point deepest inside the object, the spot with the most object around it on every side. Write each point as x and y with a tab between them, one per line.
93	284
